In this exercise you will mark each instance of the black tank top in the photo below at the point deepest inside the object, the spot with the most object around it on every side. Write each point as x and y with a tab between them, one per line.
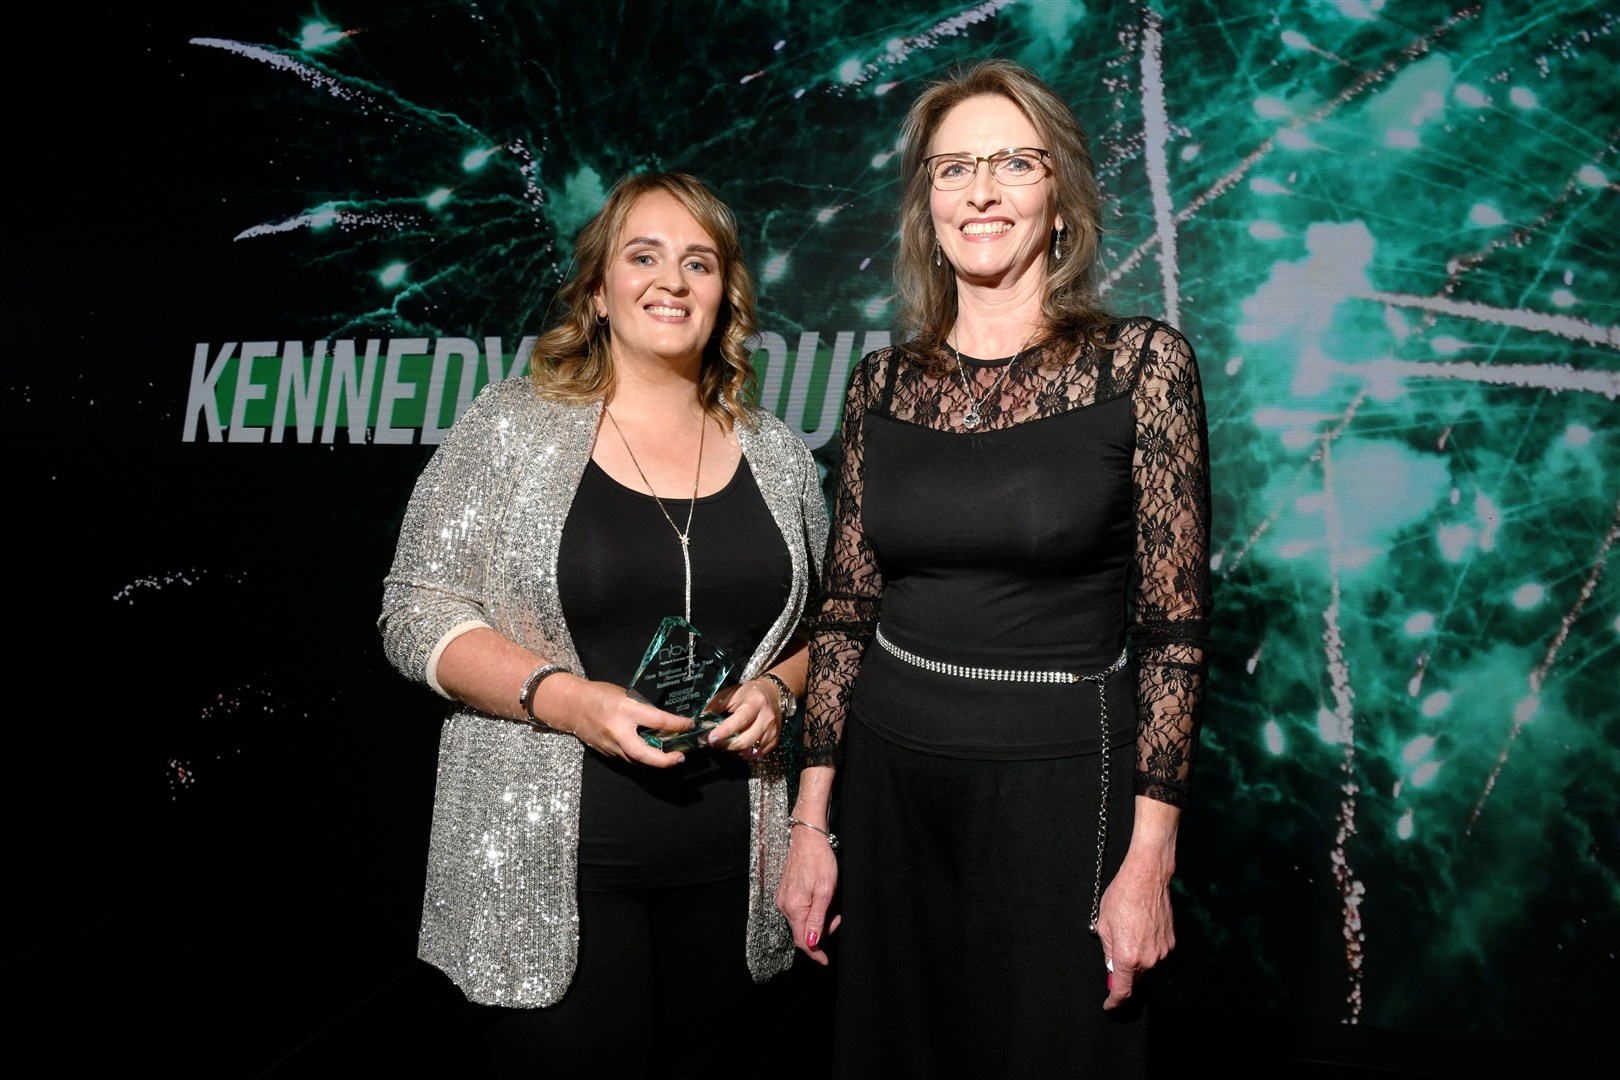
1008	548
619	572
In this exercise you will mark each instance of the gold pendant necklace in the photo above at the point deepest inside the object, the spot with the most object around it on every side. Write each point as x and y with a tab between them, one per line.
684	537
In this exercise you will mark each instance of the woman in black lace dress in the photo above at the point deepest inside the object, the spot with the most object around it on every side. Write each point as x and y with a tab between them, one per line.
1008	667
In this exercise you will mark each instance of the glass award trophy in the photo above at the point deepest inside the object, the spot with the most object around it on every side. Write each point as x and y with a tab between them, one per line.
679	674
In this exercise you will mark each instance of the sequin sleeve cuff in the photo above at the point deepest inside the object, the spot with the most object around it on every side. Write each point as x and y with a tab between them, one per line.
456	631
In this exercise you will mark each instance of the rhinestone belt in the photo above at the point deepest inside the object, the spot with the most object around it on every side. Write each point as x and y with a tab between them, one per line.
961	671
998	674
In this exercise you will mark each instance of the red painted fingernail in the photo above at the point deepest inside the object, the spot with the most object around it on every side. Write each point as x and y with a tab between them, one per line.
1110	982
812	939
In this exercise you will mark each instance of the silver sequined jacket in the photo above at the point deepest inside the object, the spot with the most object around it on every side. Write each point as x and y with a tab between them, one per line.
478	547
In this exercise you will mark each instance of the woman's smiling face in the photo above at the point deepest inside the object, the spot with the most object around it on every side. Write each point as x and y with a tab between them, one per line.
992	233
663	285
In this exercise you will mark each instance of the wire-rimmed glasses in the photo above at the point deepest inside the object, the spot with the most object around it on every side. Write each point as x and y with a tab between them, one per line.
1014	166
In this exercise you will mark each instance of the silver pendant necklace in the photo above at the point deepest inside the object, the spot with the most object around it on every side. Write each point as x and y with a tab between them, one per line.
684	537
971	418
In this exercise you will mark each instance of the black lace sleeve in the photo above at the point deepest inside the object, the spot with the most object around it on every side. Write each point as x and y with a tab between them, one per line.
851	585
1171	598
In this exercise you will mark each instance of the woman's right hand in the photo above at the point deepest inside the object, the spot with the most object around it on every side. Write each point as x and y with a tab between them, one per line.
605	717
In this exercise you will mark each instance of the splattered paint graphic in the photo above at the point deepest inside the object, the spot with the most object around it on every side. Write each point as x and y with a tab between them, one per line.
165	580
181	776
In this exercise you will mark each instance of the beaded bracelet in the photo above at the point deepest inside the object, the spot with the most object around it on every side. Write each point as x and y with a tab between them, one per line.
530	685
832	841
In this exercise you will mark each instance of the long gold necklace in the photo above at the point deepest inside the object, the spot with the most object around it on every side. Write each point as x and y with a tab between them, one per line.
684	537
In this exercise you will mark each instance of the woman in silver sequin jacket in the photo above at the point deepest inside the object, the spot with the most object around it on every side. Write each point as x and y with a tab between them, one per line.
573	865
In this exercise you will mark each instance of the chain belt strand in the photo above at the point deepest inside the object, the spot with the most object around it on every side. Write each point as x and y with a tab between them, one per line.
940	667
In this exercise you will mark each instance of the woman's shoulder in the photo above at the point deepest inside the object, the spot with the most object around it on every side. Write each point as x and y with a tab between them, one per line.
510	412
1144	333
879	366
516	393
910	352
502	399
765	428
1153	361
519	399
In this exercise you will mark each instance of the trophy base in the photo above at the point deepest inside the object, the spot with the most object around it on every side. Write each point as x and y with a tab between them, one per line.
679	742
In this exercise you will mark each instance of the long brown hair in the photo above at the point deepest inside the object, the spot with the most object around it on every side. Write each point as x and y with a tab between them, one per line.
571	361
1069	303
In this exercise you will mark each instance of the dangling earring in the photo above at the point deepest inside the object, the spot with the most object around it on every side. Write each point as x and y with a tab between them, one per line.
601	320
1057	247
939	253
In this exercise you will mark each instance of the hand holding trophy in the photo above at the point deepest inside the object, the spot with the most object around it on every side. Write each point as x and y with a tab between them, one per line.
679	673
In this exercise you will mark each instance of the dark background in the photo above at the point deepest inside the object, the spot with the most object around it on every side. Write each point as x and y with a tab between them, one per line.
221	791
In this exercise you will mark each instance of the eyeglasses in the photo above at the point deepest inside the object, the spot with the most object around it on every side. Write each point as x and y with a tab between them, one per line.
1013	167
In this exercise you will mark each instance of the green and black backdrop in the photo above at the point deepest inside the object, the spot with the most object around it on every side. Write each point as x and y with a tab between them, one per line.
260	255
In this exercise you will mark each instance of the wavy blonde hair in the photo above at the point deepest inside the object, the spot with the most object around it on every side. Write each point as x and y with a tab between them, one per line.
1069	303
571	360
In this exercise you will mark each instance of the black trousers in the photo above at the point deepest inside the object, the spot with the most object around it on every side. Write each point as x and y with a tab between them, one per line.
966	889
661	988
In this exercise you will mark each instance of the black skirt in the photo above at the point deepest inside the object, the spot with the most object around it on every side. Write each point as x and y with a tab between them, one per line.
966	889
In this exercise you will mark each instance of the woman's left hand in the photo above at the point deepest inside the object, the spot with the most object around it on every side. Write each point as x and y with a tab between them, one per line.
1134	919
753	723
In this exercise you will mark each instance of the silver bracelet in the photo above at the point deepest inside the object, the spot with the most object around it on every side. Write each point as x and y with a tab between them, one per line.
832	841
530	685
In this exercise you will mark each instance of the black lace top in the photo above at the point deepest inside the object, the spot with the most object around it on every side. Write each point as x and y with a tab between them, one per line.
1021	544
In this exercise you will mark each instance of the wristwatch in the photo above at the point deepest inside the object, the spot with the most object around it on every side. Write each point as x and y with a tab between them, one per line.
789	704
